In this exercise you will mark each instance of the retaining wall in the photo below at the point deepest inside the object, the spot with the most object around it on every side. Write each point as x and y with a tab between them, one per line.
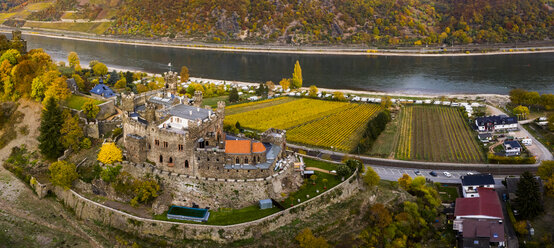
141	227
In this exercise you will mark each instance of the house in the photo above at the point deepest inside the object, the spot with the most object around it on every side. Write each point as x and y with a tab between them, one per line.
485	137
470	183
511	186
527	141
437	102
479	220
72	85
418	102
495	123
427	101
102	90
512	148
455	104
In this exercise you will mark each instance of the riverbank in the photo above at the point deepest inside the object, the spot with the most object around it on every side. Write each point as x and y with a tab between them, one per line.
470	50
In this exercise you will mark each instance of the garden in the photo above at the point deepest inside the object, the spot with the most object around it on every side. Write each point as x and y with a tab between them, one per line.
76	102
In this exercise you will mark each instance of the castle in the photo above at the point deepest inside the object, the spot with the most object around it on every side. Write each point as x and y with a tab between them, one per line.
176	134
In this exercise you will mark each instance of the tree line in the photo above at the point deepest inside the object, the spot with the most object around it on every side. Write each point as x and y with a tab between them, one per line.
373	129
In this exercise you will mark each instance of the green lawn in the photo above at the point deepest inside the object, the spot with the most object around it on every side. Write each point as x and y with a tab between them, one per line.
319	164
76	102
226	216
310	189
212	101
448	193
542	134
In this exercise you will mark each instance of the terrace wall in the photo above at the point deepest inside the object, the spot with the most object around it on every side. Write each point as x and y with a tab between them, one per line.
141	227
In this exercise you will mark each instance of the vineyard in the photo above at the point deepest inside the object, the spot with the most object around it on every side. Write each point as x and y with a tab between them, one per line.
340	131
436	133
308	121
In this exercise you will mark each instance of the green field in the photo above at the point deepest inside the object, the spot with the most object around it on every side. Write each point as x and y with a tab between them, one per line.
319	164
88	27
76	102
430	133
310	189
317	123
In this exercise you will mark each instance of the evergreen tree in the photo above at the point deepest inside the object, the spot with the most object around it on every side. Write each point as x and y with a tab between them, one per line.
296	81
51	122
234	95
114	77
528	201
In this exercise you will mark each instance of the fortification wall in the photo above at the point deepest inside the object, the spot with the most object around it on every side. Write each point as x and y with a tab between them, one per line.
107	109
89	210
215	193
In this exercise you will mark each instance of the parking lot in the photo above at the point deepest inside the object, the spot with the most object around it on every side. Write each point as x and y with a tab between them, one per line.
393	173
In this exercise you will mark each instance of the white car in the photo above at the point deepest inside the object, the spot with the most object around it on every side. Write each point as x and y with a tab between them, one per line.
447	174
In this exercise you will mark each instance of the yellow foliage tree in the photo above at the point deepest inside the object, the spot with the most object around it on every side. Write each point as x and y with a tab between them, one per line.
312	92
63	173
285	83
58	90
73	60
339	96
306	239
109	154
296	80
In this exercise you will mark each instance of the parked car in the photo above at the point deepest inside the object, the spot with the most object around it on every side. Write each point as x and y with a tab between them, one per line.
417	172
433	173
447	174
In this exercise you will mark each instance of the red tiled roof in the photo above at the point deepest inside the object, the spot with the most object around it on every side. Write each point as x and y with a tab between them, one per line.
487	204
258	147
237	146
243	147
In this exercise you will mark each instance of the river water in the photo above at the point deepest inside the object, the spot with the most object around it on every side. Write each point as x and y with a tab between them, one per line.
396	74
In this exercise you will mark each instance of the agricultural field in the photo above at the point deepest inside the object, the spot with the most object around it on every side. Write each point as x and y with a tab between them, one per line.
311	122
436	133
340	131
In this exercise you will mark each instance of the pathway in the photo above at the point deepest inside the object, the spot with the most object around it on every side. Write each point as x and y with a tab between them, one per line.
319	169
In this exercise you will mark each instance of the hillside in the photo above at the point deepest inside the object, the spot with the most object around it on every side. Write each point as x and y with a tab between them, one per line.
374	22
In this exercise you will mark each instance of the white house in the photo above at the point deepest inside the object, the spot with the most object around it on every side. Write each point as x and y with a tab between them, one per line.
437	102
418	102
527	141
512	148
496	123
427	101
470	183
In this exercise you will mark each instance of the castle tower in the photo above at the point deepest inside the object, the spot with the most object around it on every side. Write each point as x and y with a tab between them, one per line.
221	109
171	82
128	102
17	42
197	99
150	113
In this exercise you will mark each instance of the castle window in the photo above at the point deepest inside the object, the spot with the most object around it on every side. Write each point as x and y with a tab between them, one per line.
165	144
248	171
149	147
208	159
170	160
181	147
217	159
157	142
186	163
207	143
246	160
161	159
198	158
238	161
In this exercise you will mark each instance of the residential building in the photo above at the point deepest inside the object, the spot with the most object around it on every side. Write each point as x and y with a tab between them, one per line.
102	90
495	123
485	137
470	183
512	148
479	220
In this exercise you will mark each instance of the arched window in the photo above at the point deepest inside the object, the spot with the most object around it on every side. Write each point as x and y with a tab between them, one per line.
237	161
246	160
186	163
170	160
161	159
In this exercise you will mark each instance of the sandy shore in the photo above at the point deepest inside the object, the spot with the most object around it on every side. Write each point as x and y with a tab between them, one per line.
423	52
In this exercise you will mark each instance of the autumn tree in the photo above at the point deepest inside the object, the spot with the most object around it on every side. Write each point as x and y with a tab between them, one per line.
546	173
521	112
79	82
306	239
50	130
100	69
312	92
285	83
296	80
11	56
270	85
405	181
184	74
90	109
145	191
121	83
71	132
63	173
58	90
371	178
339	96
73	60
110	153
141	88
386	102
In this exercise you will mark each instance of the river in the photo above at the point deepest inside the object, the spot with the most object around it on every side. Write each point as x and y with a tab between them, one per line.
496	74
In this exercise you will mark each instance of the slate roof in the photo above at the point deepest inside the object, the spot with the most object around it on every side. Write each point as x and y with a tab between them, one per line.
512	144
487	204
102	90
495	119
163	101
484	136
189	112
492	229
477	179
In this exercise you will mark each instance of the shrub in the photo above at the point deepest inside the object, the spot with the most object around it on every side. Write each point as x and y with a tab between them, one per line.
85	143
343	171
109	173
145	191
63	173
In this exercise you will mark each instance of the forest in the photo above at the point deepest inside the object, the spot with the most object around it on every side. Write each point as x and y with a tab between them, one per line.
319	22
374	22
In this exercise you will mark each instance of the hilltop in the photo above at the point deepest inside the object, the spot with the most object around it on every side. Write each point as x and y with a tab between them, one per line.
323	22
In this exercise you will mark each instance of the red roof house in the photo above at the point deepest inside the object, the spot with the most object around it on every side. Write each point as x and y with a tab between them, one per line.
486	206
